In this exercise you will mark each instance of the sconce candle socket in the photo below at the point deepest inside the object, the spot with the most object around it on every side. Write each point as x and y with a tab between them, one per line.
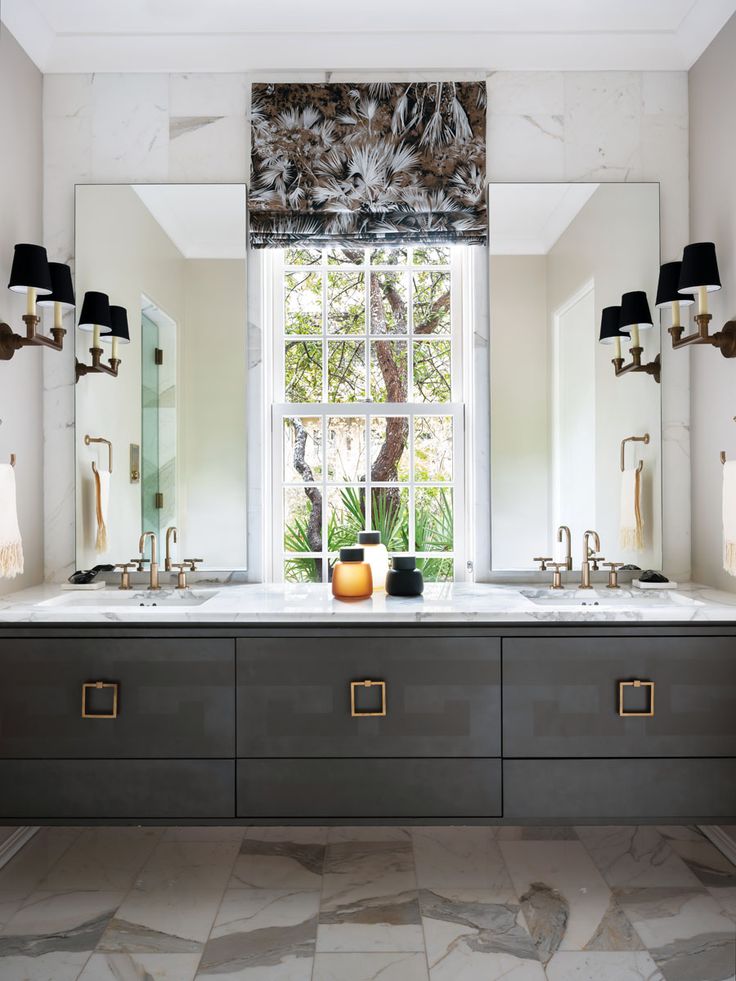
44	283
698	274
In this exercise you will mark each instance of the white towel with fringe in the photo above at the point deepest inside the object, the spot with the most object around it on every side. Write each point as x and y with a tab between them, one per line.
11	545
102	508
631	535
729	517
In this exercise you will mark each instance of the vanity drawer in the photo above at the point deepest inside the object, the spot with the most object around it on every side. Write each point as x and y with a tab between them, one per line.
130	789
561	697
360	788
629	790
441	697
175	698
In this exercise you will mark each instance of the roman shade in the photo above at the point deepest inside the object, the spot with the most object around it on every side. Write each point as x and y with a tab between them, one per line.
368	164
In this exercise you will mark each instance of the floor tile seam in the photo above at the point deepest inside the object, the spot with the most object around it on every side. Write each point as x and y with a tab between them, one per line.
419	902
53	865
320	903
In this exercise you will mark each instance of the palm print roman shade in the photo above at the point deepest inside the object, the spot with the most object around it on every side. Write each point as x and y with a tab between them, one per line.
368	164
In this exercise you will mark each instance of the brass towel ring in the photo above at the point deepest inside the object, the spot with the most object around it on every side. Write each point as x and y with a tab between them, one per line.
100	439
633	439
723	452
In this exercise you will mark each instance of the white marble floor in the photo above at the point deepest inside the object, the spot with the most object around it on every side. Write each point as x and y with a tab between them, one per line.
368	904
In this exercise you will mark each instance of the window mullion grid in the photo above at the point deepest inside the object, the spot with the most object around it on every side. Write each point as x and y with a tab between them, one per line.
325	344
325	505
412	528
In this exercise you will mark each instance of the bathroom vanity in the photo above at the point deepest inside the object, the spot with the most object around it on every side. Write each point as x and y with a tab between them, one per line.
486	704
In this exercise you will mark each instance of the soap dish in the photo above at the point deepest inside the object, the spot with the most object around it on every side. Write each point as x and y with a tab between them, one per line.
654	585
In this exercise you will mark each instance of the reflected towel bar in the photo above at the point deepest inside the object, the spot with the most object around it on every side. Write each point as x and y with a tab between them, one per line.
723	452
100	439
633	439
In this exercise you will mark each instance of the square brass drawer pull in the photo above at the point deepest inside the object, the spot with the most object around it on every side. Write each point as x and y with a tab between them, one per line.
357	713
649	711
98	685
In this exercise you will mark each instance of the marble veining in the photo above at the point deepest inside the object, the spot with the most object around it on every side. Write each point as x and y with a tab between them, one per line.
346	904
473	603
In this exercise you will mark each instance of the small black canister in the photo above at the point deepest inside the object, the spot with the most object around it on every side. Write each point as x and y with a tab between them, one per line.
403	578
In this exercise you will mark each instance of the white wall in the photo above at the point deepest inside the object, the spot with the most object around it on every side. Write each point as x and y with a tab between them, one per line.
21	190
122	251
541	126
212	430
713	218
519	410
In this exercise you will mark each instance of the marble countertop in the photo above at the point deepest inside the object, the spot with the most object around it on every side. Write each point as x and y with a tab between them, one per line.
475	603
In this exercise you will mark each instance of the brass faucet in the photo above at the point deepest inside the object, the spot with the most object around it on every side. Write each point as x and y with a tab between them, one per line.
588	553
563	529
170	533
154	564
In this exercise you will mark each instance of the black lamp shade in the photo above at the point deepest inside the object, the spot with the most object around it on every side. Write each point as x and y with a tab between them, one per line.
635	311
699	268
62	290
668	287
95	311
119	323
610	329
30	270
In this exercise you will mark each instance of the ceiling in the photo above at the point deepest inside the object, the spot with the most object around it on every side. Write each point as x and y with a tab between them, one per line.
527	219
204	221
292	36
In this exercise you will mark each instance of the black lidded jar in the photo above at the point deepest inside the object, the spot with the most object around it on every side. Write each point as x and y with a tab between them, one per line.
403	578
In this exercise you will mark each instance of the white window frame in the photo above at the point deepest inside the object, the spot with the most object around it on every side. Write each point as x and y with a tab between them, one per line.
274	270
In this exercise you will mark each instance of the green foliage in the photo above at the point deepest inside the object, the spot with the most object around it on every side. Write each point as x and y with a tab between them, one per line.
433	531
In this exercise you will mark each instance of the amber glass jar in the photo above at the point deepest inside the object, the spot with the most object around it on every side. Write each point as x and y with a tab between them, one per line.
351	576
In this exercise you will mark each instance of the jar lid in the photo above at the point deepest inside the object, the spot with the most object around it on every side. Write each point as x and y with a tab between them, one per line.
369	537
352	554
404	563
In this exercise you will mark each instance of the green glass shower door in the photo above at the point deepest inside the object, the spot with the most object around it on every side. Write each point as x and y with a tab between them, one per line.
158	425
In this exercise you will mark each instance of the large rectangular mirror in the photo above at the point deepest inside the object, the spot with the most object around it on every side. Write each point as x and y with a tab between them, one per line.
174	418
560	253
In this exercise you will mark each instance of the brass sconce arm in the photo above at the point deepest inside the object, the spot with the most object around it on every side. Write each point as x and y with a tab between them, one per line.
97	367
653	368
11	342
724	340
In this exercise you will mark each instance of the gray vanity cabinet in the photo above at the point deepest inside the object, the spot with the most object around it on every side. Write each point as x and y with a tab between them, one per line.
162	698
561	697
399	724
428	697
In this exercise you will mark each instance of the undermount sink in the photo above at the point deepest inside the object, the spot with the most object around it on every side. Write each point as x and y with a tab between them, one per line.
605	600
144	599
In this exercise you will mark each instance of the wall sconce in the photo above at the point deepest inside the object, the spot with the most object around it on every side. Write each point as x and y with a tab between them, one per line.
697	273
94	316
118	334
633	315
51	284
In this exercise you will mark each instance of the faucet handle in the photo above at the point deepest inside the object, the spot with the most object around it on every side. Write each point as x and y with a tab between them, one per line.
182	574
594	560
140	562
613	574
193	563
543	559
556	577
125	573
